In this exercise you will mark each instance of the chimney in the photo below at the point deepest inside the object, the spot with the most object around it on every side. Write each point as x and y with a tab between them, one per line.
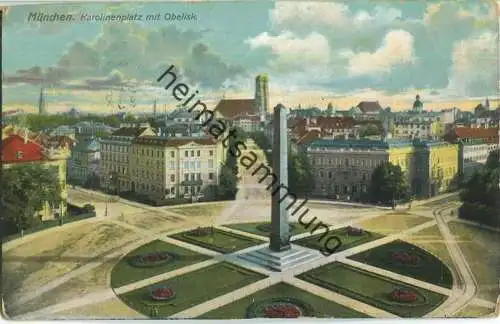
25	136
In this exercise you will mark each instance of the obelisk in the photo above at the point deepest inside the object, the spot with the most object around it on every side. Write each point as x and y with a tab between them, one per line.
280	229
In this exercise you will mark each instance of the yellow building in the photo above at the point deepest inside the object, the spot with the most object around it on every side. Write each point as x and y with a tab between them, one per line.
443	162
174	167
404	156
437	129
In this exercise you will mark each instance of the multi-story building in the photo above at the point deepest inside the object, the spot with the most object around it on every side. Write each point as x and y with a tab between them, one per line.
182	167
21	150
83	166
437	168
473	156
248	123
472	134
418	129
343	168
115	154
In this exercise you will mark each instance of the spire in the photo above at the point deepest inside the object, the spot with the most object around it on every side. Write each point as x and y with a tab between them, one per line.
487	103
154	109
41	103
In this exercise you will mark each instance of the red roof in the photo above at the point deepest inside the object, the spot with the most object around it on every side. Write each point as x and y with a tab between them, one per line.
15	150
335	122
489	135
309	136
230	108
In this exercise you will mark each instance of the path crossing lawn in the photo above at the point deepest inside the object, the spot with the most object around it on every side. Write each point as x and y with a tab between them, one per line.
209	210
264	228
192	289
220	241
124	272
392	223
372	289
320	306
426	267
480	248
474	311
317	242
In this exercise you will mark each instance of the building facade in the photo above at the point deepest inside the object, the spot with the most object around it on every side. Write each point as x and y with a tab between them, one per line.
343	168
84	164
115	156
167	168
473	156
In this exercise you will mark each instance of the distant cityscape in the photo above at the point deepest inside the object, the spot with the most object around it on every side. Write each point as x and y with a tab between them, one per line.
169	155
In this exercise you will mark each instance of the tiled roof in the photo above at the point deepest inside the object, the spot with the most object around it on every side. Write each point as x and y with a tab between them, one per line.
476	132
173	141
11	145
309	136
369	106
335	122
230	108
129	131
365	144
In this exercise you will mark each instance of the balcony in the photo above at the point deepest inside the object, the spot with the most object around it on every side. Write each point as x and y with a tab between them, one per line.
192	183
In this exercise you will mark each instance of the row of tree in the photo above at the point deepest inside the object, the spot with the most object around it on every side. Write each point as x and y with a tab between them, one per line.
480	194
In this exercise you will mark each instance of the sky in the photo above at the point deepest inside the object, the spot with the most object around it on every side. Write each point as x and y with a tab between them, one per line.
314	53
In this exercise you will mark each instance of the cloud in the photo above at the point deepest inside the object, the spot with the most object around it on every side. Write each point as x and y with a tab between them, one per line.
386	47
475	66
135	52
293	52
397	48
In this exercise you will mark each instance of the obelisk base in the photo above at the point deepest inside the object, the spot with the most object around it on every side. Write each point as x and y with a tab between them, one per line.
276	244
280	261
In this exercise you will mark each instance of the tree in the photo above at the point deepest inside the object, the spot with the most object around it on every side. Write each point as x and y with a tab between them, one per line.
479	198
300	177
25	190
388	184
493	160
263	142
369	130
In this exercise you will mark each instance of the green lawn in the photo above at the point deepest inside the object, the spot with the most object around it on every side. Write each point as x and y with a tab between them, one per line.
192	289
392	223
220	241
428	268
480	248
372	289
124	273
348	241
320	306
259	228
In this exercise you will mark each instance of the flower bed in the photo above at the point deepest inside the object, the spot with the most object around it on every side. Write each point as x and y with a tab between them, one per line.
151	259
279	308
162	293
406	258
354	231
403	295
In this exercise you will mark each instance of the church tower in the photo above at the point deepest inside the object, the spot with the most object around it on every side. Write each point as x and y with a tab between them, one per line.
42	110
261	100
418	106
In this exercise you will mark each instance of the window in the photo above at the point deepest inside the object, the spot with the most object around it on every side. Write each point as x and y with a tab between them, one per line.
210	163
330	175
19	155
172	154
186	154
211	153
186	176
172	178
192	176
193	165
198	153
198	176
211	176
192	153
